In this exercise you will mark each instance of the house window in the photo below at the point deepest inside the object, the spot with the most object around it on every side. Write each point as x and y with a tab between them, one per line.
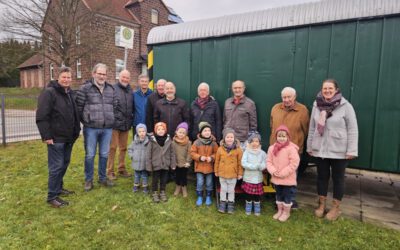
78	34
51	72
50	43
154	16
78	69
119	66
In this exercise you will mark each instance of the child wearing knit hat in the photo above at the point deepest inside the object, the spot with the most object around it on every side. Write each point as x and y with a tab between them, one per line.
203	154
282	162
160	158
254	162
137	151
228	167
182	145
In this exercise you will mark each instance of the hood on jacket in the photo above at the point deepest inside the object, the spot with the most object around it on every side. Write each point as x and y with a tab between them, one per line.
137	140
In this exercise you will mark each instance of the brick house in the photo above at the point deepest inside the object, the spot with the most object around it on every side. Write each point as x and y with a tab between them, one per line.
138	15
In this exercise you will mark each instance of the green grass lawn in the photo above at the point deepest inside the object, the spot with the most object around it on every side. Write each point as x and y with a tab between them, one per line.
107	218
19	98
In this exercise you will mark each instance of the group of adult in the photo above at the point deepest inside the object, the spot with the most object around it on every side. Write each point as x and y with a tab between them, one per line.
108	112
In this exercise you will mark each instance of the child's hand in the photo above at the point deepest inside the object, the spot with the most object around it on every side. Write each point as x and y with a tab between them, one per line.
209	159
173	168
216	175
187	164
240	177
203	158
276	174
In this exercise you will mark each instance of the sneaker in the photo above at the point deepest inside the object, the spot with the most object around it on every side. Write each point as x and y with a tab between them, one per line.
124	173
163	196
135	189
145	190
106	183
88	186
65	192
111	176
156	198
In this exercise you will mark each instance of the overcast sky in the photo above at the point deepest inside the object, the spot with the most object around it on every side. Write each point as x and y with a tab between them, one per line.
190	10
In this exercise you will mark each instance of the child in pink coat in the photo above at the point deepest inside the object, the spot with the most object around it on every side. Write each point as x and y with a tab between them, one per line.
282	162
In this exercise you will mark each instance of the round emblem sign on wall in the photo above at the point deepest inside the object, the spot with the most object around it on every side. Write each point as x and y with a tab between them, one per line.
127	33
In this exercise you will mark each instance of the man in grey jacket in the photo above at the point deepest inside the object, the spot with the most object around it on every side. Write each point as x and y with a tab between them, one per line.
96	102
240	113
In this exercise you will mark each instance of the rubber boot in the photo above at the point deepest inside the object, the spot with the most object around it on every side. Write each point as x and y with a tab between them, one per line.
231	207
222	207
184	192
319	212
199	201
286	212
257	208
208	198
279	205
249	207
178	189
334	212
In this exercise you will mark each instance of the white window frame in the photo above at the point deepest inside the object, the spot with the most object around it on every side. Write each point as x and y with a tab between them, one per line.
154	16
78	34
119	66
51	68
50	43
78	69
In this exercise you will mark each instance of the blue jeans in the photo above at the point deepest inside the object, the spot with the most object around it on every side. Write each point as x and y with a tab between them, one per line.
140	175
200	181
285	193
58	158
92	137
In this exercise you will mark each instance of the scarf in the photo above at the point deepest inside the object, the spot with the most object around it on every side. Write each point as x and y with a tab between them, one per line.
161	139
202	102
205	141
278	146
229	148
236	100
326	108
183	141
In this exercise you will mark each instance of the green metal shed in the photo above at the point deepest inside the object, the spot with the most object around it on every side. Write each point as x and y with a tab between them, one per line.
356	42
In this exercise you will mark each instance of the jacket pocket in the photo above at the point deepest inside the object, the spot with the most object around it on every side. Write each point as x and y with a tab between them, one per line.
337	141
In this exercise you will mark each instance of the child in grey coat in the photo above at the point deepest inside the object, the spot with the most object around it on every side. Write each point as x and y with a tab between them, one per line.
138	153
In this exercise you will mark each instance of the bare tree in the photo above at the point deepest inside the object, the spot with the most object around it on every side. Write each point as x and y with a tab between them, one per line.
63	26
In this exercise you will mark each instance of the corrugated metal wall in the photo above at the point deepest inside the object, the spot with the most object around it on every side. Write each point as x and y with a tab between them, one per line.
364	56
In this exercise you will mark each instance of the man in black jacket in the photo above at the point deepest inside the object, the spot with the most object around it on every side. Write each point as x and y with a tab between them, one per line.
151	102
96	102
123	122
58	122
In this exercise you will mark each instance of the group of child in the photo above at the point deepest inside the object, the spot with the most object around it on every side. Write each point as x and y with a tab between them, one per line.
159	153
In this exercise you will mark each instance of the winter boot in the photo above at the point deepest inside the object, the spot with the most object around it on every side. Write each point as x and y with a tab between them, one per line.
249	207
178	189
208	198
279	205
163	196
231	207
222	207
319	212
145	190
156	198
184	192
286	212
334	212
257	208
199	201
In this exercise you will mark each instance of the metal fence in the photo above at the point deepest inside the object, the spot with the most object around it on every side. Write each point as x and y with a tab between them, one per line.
17	118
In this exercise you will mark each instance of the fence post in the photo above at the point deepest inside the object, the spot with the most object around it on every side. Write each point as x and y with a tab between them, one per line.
3	119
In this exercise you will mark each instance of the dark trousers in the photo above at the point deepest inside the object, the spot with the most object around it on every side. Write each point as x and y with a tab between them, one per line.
253	197
58	158
159	176
181	176
324	169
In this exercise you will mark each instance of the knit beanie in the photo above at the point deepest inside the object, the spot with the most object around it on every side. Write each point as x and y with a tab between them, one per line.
183	125
282	128
203	125
162	124
228	131
253	135
140	125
